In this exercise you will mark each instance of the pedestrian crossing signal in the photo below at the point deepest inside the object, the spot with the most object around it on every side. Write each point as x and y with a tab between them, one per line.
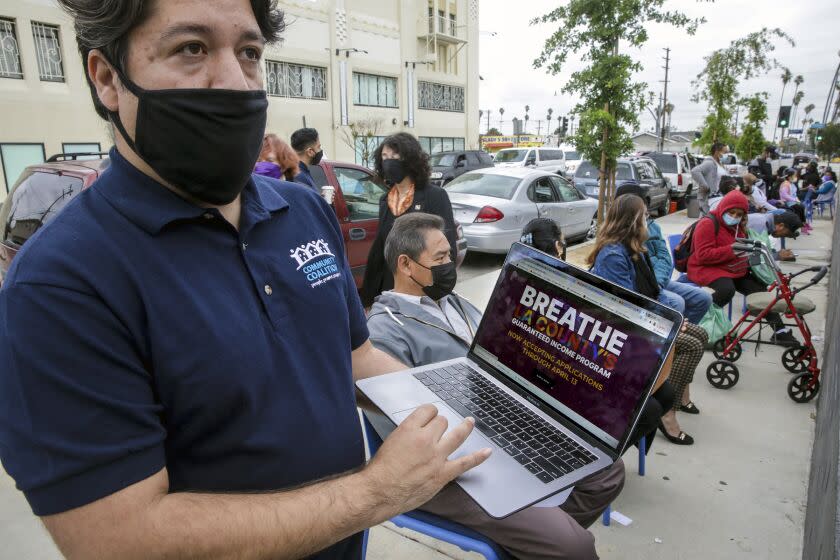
784	116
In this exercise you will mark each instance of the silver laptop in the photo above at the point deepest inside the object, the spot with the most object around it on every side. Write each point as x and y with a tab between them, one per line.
556	378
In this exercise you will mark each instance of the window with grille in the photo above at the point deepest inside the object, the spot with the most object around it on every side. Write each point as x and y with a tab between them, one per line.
374	91
441	97
9	51
48	52
296	80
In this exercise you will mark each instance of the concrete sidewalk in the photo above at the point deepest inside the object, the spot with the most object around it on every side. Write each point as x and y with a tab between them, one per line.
739	492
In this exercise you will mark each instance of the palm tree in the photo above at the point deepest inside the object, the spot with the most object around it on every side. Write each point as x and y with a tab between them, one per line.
797	99
501	117
786	78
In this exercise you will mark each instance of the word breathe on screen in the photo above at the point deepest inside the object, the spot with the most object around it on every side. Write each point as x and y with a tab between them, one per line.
573	329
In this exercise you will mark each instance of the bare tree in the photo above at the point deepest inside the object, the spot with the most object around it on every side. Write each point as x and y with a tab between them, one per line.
361	137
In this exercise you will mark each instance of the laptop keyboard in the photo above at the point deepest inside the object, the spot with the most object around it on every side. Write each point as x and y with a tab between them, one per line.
544	451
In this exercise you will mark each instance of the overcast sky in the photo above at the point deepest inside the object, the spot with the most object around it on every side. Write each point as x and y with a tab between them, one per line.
510	81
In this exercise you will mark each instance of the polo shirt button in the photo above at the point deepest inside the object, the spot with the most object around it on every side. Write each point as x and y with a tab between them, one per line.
268	290
208	216
244	246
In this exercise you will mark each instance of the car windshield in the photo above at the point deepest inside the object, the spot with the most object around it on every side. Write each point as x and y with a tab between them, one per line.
443	160
507	156
572	155
586	171
667	162
623	173
484	184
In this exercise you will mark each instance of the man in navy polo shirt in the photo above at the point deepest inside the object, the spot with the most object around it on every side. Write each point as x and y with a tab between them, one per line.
307	144
178	347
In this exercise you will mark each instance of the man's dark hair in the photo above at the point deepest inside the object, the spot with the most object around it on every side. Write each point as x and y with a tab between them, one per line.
790	220
415	160
303	139
408	237
716	147
106	25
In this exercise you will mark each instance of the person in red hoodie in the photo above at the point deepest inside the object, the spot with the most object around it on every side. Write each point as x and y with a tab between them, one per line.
715	264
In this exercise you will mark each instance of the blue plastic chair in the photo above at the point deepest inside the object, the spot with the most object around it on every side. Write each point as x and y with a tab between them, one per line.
605	517
434	526
820	205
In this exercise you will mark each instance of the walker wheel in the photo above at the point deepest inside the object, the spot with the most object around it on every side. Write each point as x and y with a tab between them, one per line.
796	359
799	388
722	374
721	345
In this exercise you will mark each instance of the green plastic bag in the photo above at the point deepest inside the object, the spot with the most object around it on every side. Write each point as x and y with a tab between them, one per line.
715	323
763	272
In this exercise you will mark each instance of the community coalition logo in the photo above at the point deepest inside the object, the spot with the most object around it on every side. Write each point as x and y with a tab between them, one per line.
316	261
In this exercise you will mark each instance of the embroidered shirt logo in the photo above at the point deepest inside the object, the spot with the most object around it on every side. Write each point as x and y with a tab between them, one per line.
310	251
317	262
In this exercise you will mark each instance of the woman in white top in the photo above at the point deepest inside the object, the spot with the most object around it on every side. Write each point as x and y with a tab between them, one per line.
707	176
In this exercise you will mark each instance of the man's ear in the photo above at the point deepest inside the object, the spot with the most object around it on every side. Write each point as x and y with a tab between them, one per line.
404	265
104	79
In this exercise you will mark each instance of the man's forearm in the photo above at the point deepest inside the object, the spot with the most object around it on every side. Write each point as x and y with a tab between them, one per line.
292	524
369	361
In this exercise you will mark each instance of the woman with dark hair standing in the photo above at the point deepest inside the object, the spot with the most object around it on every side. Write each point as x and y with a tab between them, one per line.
404	167
707	176
545	235
620	256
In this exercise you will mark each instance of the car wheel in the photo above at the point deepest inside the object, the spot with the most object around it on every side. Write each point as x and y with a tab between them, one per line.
666	206
592	233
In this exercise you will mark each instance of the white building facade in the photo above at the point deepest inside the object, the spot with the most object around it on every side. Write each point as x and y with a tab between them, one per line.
356	70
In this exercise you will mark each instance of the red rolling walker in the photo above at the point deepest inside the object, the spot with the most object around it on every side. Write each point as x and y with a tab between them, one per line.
779	298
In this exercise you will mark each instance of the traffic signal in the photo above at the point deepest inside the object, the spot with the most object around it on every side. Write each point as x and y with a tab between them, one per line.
784	116
565	125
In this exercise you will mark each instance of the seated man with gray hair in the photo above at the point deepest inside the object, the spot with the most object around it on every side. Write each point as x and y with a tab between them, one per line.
420	322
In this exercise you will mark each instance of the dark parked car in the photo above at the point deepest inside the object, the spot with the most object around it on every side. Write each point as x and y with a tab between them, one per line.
44	189
641	170
449	165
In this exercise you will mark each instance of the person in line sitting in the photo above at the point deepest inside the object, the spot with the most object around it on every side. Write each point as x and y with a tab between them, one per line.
714	263
829	186
277	159
544	234
690	300
787	194
620	256
421	321
754	189
727	185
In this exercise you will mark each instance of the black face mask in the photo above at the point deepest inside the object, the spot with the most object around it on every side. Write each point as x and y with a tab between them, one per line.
316	159
394	171
444	278
202	141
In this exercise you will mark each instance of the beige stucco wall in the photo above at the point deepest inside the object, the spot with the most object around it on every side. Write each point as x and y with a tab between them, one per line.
52	113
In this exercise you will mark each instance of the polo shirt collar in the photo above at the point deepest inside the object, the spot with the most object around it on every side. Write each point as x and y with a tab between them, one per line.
152	206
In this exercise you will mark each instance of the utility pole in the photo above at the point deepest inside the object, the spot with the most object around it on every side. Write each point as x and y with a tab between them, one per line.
539	127
664	99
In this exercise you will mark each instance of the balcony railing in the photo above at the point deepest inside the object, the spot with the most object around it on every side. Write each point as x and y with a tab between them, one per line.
442	25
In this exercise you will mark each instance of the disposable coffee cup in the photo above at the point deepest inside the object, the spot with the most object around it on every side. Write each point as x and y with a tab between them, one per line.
328	192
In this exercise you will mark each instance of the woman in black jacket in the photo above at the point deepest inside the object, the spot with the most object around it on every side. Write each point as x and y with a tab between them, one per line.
403	165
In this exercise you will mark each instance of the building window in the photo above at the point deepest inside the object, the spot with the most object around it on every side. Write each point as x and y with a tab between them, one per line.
434	145
48	52
16	158
79	148
441	97
9	52
296	80
365	147
375	91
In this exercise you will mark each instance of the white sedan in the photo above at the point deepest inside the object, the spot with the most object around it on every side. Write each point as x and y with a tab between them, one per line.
494	204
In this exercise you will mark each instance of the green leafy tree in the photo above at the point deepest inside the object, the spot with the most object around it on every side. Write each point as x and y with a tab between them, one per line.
494	132
829	146
752	140
717	85
610	99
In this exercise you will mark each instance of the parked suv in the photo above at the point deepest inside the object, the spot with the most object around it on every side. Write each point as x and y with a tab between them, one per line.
733	167
676	168
449	165
44	189
641	170
547	159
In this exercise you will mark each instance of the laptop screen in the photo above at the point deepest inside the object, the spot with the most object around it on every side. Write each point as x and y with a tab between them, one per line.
568	338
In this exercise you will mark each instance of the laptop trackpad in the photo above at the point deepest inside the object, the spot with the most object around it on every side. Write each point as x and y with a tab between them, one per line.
475	441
